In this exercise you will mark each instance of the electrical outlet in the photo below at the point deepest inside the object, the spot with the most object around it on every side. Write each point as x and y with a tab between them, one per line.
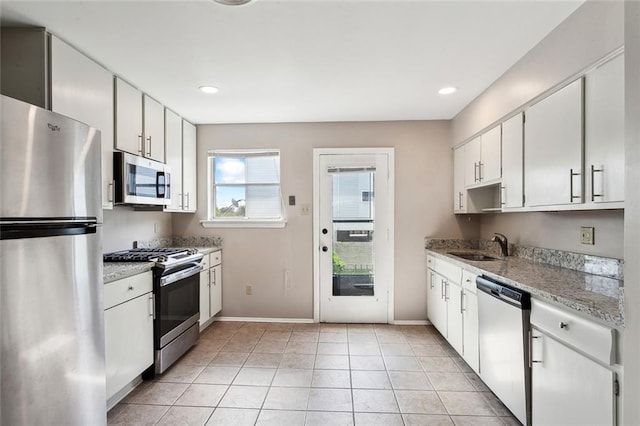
248	289
305	209
587	235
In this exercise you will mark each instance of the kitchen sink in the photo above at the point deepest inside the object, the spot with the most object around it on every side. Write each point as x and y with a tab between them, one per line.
473	256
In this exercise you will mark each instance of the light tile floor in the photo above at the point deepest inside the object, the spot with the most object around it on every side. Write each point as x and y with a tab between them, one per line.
315	374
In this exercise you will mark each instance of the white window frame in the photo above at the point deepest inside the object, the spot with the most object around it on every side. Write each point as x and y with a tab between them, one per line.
231	222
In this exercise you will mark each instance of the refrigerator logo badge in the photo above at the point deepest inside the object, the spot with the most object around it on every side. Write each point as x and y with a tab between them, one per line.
53	127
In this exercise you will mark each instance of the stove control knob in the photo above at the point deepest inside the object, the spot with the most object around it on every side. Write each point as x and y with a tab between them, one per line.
193	251
162	258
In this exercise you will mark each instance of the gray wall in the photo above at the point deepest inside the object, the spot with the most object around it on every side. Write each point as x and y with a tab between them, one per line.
593	31
423	174
631	386
122	226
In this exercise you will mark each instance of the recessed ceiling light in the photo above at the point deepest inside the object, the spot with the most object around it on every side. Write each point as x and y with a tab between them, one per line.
209	89
232	2
447	90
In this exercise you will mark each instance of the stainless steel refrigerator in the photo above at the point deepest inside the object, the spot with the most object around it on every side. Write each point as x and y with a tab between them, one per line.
51	303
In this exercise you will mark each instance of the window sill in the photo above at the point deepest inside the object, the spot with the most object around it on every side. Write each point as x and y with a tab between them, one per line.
279	223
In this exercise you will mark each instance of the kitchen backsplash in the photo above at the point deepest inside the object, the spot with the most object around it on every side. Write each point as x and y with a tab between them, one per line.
604	266
180	242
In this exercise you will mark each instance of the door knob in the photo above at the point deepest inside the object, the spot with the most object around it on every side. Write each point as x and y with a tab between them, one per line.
325	248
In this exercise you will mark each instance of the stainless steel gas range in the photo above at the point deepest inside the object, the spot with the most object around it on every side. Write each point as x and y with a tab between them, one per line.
176	288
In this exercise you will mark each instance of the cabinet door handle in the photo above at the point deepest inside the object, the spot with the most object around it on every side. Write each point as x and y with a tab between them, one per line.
480	171
460	200
571	196
503	192
152	306
149	143
215	277
593	182
442	291
188	199
110	188
431	281
531	339
446	290
475	172
461	301
140	147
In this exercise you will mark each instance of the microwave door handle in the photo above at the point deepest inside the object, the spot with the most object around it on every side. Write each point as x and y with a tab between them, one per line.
160	188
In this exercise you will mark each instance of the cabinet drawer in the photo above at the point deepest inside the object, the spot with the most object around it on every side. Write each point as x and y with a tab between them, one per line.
469	281
215	258
449	270
587	336
431	262
206	263
125	289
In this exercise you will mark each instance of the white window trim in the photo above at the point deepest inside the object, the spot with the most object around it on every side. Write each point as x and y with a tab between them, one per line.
240	222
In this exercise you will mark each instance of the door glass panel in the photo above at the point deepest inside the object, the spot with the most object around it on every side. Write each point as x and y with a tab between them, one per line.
353	225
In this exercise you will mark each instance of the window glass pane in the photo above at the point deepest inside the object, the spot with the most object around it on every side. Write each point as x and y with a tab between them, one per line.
230	201
229	170
353	195
263	201
263	169
246	184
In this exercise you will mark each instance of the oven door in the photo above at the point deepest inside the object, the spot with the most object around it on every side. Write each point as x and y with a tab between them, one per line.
177	304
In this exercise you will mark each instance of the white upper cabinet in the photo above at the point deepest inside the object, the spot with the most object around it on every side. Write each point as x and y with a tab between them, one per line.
471	162
139	122
490	156
83	90
604	132
482	159
512	163
153	129
173	135
459	189
189	175
128	118
181	158
553	148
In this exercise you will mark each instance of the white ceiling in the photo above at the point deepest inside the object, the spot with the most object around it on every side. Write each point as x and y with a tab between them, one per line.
302	60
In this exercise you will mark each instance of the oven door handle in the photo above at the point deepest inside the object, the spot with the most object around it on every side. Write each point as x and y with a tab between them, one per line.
185	273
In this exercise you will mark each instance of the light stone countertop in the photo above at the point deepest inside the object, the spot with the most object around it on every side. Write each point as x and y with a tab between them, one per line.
113	271
593	295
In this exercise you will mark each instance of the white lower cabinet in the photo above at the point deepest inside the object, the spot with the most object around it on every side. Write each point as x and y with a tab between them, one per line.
469	303
572	379
453	296
452	307
436	304
210	287
128	331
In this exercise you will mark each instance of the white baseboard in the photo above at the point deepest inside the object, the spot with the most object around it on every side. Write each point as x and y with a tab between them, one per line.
410	322
306	320
254	319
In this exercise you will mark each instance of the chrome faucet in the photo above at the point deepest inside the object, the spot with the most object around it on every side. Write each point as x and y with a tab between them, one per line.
504	243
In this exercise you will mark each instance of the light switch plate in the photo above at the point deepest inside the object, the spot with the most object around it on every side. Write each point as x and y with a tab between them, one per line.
587	235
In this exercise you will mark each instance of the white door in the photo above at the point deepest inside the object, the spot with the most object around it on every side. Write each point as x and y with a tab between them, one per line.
354	237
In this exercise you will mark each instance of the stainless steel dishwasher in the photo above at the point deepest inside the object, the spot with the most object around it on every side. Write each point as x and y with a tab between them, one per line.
503	332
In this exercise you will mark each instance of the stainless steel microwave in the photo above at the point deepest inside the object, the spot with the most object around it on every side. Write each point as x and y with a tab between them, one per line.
139	180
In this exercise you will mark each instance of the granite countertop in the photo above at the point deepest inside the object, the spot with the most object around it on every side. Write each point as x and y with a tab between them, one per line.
113	271
594	295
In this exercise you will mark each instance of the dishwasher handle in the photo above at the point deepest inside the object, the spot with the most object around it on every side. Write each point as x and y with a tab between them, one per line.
504	292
